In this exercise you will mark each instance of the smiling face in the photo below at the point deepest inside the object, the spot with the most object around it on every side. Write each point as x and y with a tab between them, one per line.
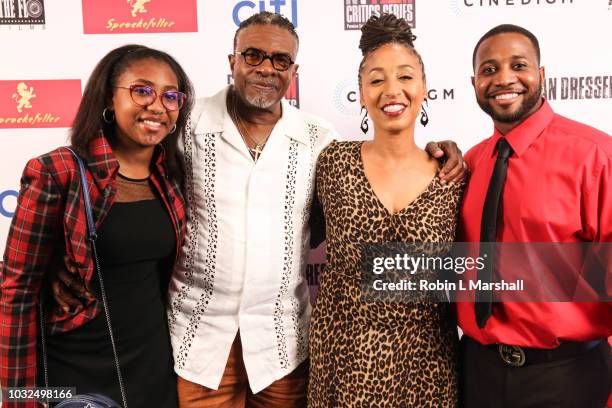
392	87
507	79
144	126
263	86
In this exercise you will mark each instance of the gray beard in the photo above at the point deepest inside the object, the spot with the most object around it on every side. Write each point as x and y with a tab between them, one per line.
259	102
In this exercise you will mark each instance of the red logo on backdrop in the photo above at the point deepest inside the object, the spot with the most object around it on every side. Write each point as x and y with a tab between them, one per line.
139	16
39	103
293	93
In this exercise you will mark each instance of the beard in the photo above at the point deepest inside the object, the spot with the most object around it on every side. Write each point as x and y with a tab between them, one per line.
529	102
260	99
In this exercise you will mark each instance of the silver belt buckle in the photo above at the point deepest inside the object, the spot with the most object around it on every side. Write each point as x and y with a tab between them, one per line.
512	355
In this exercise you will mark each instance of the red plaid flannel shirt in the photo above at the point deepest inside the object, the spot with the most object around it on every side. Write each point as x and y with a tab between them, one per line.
50	210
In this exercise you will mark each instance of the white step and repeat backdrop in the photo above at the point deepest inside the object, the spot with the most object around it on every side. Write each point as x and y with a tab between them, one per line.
49	47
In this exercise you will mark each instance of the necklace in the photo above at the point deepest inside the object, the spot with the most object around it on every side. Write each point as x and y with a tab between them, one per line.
258	149
255	151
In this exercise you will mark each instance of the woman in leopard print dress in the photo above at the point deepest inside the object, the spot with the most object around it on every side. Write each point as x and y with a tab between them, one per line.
373	353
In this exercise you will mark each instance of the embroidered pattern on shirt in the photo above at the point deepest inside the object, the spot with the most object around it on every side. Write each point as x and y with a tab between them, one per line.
313	132
288	254
208	274
192	234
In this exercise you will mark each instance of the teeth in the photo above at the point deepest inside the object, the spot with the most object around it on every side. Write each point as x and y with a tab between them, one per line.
152	123
393	108
506	96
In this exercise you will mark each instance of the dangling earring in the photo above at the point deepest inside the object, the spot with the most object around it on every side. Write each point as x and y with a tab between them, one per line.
424	116
364	121
104	112
173	129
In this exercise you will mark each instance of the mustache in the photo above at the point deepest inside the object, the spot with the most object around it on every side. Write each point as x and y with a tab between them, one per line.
264	81
492	92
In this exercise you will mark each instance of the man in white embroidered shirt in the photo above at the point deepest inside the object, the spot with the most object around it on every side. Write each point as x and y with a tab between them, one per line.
239	300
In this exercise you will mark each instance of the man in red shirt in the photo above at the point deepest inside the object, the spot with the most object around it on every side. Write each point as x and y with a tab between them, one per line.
539	178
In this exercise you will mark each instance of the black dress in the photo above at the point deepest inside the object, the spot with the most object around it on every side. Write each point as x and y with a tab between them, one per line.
136	246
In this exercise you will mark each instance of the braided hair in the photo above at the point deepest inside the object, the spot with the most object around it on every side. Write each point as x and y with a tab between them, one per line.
383	30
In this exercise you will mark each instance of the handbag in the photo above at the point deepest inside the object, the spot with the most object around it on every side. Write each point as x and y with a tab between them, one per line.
89	400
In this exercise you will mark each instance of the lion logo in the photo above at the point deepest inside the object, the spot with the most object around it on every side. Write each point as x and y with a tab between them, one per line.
23	96
138	6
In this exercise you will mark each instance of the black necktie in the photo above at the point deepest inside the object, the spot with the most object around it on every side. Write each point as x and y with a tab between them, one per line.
488	230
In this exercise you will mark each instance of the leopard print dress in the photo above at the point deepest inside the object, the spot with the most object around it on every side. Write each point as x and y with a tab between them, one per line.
378	354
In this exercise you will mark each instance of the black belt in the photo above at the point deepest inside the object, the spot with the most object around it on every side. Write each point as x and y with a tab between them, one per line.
519	356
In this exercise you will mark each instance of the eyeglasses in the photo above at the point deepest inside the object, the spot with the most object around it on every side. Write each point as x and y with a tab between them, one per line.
255	57
144	95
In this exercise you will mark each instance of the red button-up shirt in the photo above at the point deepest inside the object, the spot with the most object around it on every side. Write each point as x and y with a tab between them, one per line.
50	216
558	189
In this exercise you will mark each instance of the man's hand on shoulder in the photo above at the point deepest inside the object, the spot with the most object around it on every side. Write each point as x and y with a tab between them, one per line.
455	168
67	287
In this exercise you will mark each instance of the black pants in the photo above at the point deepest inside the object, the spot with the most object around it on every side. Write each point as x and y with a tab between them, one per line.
487	381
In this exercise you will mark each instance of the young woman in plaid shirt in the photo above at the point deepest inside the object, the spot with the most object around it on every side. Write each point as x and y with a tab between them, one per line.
134	108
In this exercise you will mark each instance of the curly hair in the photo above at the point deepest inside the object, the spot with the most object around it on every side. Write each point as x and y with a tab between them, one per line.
386	29
99	92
